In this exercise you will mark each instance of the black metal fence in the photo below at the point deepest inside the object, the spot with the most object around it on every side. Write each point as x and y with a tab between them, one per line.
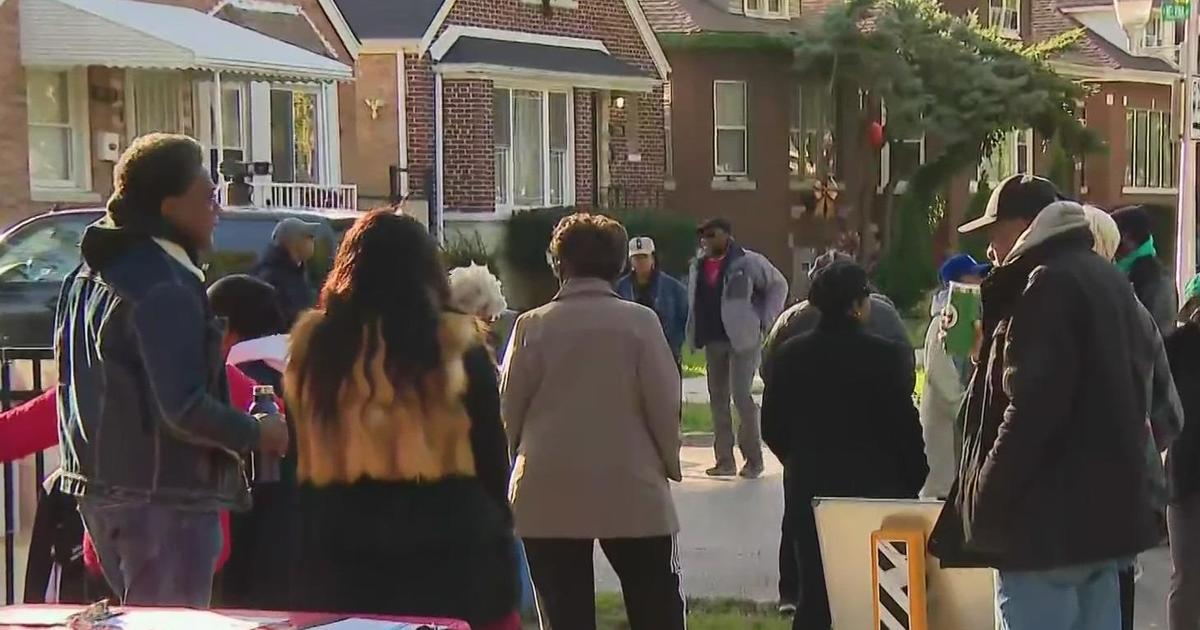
21	380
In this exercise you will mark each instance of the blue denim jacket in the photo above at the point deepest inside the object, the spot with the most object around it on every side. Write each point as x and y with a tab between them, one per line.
670	303
143	398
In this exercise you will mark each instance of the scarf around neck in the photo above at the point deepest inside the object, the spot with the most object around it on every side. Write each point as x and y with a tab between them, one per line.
1147	249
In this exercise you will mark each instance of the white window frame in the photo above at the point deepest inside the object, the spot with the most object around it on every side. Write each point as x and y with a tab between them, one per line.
762	9
1014	137
1167	175
327	128
508	205
1001	12
744	128
1155	35
243	90
885	156
797	132
80	180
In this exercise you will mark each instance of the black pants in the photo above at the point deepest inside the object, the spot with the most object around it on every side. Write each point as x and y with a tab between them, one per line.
565	583
789	562
812	612
1125	580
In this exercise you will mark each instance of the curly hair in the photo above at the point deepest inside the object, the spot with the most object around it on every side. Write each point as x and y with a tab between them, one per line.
590	246
385	294
475	291
154	166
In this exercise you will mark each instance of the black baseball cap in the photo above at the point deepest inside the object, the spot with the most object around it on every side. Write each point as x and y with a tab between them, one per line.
715	224
1018	197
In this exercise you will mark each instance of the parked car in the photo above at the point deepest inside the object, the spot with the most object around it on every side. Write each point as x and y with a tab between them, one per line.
38	253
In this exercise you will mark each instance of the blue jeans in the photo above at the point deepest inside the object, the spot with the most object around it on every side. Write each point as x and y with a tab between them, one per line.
155	555
1084	597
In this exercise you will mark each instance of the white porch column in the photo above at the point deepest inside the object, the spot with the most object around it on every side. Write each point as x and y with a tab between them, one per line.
332	171
260	136
218	129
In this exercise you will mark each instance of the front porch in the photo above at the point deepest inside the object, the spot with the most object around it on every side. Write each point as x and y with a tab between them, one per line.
266	111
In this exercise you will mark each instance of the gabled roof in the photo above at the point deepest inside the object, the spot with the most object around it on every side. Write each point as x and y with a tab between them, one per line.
688	17
389	19
1093	50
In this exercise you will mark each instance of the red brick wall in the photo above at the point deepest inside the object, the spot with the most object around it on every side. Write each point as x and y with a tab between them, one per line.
638	183
420	122
585	147
470	185
14	138
469	173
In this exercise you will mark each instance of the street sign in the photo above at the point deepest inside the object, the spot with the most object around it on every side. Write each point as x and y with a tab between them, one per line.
1175	10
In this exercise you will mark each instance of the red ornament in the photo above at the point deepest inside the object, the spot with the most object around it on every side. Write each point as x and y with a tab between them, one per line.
875	135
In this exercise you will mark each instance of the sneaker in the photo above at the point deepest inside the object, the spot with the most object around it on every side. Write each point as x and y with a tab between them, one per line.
751	471
721	471
787	609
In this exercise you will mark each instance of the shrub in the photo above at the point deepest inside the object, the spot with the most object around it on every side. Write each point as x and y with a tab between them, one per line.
466	247
527	237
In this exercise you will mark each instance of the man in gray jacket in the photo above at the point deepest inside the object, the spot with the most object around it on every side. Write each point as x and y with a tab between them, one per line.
734	296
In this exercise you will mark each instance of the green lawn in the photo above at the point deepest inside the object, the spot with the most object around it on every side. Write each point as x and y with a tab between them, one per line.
703	614
693	362
697	418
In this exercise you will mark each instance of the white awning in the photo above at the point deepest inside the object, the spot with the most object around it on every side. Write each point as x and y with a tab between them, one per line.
130	34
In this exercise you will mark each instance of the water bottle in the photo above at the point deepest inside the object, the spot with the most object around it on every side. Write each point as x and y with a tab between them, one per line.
265	467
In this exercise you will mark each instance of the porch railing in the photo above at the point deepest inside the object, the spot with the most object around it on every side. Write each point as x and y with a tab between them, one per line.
289	195
641	197
24	373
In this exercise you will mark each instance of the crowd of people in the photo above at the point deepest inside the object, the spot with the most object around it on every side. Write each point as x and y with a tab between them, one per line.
439	453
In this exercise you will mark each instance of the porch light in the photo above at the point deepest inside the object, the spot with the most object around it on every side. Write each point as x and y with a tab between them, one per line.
619	102
1134	15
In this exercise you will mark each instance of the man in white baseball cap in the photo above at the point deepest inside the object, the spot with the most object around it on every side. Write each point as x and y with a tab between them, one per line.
648	286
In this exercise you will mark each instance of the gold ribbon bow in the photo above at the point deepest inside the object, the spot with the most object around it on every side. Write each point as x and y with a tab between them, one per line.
825	194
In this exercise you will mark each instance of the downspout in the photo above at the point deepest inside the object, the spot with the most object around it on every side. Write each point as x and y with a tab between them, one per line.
402	122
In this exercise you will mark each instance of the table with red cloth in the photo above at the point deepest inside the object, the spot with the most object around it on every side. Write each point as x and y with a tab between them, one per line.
294	620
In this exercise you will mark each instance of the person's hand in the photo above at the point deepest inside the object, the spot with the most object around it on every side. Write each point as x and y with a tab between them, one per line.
273	435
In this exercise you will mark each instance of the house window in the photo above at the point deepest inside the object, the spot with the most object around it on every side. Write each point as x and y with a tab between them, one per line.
1013	154
900	158
235	113
670	152
156	103
765	8
57	129
729	114
1154	36
532	148
1005	16
296	115
811	131
1150	143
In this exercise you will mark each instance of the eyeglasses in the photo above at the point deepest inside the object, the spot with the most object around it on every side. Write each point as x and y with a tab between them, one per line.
708	234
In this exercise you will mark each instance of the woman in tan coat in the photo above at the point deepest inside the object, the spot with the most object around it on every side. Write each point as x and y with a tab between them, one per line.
590	400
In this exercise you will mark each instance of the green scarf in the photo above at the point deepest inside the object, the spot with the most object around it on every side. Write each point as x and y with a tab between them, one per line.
1147	249
1192	289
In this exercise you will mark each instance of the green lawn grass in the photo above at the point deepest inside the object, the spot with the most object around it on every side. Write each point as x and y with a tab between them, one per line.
694	363
703	614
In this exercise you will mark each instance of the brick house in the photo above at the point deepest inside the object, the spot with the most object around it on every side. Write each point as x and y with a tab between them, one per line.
484	107
745	131
253	80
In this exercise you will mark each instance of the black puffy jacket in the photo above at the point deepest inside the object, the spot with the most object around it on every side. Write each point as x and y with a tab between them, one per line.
1053	471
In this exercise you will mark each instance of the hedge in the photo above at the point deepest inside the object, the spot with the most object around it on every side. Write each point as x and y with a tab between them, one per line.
527	237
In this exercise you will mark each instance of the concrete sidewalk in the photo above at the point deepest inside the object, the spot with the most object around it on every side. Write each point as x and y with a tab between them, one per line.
729	541
695	389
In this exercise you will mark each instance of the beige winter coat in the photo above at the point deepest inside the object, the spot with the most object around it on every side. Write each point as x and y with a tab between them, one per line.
590	397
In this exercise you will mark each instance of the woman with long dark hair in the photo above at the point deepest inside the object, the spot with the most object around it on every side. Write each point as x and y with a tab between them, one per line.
838	412
403	464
